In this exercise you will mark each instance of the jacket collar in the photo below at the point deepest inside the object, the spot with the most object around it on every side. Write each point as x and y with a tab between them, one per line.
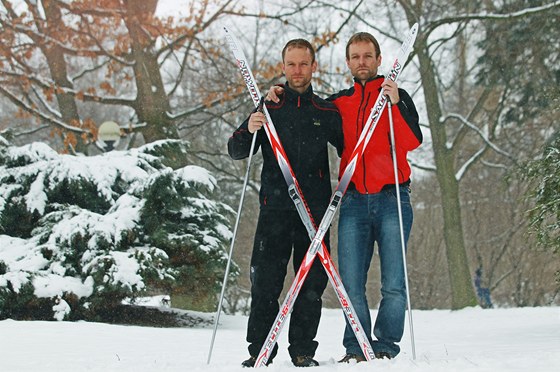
357	83
292	94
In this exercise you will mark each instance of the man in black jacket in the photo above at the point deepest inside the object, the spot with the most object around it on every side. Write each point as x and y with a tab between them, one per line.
305	124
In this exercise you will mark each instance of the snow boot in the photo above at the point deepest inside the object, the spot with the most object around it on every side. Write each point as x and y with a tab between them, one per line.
250	363
304	361
349	358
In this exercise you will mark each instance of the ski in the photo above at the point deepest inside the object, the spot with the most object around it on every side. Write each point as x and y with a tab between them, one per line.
316	246
365	136
295	194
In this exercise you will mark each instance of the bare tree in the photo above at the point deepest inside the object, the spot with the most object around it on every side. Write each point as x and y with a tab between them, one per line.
100	52
45	32
466	119
454	154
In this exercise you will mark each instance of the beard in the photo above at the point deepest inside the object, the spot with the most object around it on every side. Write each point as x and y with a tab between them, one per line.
299	82
364	73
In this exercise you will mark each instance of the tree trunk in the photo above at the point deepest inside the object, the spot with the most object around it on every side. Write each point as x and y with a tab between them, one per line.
461	285
152	103
59	74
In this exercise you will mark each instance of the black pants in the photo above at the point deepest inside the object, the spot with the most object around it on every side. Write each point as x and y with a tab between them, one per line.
277	233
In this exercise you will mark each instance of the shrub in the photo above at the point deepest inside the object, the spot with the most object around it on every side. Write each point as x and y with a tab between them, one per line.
79	234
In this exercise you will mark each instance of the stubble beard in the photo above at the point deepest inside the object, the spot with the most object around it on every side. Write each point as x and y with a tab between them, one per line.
364	74
299	82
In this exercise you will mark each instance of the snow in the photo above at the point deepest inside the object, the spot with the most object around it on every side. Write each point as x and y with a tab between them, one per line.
52	285
193	173
473	339
61	309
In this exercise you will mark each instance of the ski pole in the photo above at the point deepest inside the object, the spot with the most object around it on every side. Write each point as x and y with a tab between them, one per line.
394	155
218	312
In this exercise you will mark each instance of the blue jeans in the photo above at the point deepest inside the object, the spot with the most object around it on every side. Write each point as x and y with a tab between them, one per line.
364	220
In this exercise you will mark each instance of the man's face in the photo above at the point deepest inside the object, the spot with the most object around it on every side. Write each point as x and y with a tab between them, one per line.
363	61
298	68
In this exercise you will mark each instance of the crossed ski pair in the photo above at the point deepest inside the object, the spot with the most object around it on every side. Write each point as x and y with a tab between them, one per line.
317	246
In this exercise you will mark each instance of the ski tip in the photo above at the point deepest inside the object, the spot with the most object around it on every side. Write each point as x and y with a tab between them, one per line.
414	28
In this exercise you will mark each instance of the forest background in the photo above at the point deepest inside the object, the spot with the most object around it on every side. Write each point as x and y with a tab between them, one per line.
484	75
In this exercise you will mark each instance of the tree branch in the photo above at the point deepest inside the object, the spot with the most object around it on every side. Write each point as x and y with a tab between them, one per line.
466	122
430	27
39	114
75	93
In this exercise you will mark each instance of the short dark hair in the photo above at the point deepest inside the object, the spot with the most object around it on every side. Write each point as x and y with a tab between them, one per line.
299	43
363	36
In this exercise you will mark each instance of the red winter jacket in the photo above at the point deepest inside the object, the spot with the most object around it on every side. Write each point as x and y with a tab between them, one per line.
375	169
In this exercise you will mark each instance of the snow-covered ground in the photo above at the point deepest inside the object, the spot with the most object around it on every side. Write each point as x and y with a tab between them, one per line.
519	339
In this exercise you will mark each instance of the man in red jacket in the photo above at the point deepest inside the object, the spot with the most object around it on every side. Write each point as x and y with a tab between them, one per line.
368	212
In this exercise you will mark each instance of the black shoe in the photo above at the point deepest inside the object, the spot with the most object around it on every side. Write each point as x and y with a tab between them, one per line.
348	358
304	361
383	355
250	363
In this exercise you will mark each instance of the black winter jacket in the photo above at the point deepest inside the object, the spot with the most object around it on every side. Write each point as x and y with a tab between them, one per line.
305	124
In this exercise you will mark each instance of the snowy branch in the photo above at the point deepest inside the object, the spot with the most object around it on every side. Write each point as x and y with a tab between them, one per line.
43	40
463	120
89	10
75	93
472	160
475	157
490	16
494	165
202	107
39	114
30	131
287	12
427	168
46	106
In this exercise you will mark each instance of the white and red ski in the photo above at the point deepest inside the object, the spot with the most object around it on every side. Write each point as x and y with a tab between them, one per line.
365	136
307	219
317	246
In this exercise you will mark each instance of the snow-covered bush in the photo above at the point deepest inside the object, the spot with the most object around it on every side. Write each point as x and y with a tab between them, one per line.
80	234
